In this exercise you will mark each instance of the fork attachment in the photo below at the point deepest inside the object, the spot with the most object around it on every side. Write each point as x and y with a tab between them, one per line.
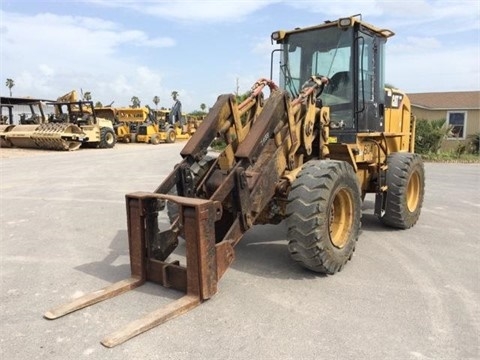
216	204
198	279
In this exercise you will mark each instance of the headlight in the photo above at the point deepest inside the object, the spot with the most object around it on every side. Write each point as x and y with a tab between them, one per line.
278	35
345	22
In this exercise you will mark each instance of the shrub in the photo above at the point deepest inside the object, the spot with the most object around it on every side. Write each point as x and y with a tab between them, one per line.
475	143
429	135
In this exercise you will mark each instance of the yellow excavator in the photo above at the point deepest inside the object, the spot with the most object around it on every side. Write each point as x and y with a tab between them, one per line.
307	155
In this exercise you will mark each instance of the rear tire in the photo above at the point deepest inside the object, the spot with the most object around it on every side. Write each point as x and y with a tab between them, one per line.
406	188
324	210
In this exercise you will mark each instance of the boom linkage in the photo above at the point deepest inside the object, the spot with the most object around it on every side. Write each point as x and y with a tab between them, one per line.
215	208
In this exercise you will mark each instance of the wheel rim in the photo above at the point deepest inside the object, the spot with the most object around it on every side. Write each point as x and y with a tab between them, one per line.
109	138
413	191
171	135
341	218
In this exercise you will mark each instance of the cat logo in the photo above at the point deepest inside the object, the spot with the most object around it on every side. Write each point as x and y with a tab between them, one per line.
396	100
393	100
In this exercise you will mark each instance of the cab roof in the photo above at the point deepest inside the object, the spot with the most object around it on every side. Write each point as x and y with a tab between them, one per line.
345	22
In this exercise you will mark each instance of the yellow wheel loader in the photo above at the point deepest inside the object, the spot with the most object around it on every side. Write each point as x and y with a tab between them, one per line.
306	155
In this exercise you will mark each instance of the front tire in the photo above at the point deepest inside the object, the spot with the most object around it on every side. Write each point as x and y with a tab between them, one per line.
155	139
324	211
406	187
107	138
171	136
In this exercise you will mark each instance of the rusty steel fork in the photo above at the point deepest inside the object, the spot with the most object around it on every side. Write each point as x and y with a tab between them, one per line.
206	261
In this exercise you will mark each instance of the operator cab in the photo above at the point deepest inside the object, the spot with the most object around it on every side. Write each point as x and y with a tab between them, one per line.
350	53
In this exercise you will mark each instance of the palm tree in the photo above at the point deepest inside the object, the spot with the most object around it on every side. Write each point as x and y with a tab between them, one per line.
135	102
203	107
174	95
87	96
10	84
156	100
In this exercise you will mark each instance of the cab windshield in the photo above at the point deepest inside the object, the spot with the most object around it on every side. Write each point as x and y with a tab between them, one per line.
327	52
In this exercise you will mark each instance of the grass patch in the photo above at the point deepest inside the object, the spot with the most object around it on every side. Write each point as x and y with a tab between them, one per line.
451	157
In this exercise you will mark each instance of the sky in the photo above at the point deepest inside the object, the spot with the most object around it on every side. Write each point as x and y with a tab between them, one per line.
202	49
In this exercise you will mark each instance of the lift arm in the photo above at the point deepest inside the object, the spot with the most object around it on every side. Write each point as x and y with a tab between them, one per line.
214	210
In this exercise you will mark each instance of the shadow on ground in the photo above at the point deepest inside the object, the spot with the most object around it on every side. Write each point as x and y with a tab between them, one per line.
262	252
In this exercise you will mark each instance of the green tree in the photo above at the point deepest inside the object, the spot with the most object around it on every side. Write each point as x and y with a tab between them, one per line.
203	107
242	97
87	96
156	100
198	113
10	84
429	135
174	95
135	102
98	104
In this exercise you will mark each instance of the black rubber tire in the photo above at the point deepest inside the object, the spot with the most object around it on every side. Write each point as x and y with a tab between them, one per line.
324	212
154	139
107	138
406	188
171	136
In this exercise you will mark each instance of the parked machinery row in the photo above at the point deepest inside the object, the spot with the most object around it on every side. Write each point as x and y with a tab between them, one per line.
73	123
145	125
